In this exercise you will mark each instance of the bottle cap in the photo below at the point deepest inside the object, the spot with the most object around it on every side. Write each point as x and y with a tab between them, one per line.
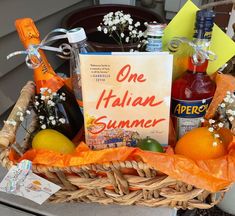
155	29
27	31
76	35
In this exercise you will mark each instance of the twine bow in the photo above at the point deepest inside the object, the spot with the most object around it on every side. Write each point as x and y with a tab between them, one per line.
33	57
200	54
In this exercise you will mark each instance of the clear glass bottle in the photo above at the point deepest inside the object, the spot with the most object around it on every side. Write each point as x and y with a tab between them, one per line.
154	37
78	40
193	92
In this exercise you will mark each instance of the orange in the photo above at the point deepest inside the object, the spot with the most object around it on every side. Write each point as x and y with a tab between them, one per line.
200	144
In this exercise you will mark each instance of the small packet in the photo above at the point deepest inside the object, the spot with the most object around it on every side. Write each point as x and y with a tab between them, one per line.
22	182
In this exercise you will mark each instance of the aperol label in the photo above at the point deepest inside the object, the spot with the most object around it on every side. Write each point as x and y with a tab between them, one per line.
126	96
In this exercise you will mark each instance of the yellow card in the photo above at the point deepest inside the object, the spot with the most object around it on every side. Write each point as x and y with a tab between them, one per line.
183	26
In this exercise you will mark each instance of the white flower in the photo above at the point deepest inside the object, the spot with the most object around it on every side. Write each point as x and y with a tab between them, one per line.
229	111
130	21
49	91
28	112
127	17
134	31
105	30
62	98
211	129
51	117
116	21
139	45
214	144
122	35
145	23
41	117
130	28
231	118
216	135
140	34
19	114
53	122
43	126
36	103
222	105
43	97
231	100
10	122
43	90
226	99
127	39
62	120
51	103
122	20
63	94
220	125
21	118
114	28
110	23
137	24
211	121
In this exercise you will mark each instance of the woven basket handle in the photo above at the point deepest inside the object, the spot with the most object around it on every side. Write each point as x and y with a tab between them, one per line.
8	132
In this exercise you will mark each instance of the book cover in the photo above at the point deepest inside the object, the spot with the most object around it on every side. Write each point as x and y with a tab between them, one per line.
126	97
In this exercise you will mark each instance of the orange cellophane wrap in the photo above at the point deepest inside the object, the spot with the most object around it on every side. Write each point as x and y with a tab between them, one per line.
212	175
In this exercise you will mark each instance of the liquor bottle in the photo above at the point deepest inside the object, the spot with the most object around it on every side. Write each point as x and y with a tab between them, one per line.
193	92
78	40
154	37
45	77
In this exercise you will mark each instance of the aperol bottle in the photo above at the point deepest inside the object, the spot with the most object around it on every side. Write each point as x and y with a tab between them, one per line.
45	77
193	92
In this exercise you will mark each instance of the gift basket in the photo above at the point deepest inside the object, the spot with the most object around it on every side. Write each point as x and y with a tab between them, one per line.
106	166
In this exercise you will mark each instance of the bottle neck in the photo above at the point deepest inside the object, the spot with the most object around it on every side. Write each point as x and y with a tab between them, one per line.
45	76
197	68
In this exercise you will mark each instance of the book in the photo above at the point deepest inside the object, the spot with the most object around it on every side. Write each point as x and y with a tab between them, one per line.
126	97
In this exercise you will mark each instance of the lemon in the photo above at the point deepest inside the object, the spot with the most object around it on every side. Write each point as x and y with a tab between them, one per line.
53	140
150	144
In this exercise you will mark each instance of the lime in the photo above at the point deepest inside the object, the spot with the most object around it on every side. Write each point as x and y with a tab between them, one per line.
150	144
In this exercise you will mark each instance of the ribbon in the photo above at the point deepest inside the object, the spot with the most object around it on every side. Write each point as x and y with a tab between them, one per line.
201	53
33	58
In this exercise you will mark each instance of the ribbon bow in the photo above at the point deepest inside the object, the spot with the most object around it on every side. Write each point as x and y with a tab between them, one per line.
33	57
200	50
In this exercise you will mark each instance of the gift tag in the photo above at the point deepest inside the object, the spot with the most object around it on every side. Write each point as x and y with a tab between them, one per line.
22	182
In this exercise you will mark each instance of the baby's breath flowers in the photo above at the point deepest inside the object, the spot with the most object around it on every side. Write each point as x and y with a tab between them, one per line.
225	115
20	117
122	29
45	106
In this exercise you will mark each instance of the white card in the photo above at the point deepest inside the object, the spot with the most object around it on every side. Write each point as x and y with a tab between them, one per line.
32	186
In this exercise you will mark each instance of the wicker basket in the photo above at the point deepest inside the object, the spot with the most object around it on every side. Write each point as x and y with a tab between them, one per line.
83	184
